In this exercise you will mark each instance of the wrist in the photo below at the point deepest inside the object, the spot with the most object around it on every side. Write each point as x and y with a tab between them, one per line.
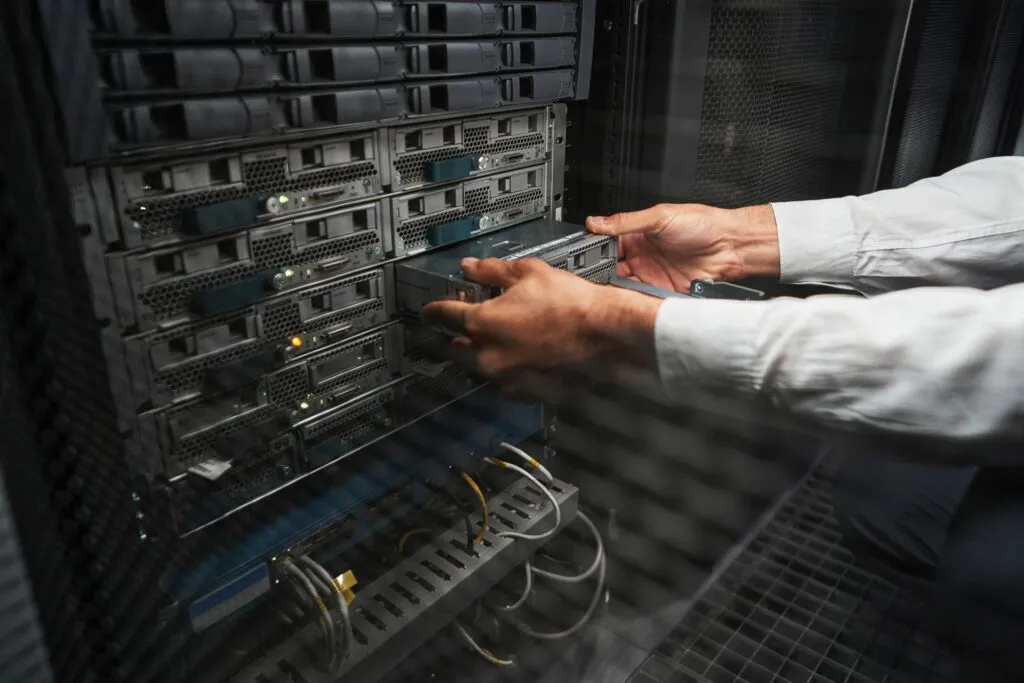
619	329
754	238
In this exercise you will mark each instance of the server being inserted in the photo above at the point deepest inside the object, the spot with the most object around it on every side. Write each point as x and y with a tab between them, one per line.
438	275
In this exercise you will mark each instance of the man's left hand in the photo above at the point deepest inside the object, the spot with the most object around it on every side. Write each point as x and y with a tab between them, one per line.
546	319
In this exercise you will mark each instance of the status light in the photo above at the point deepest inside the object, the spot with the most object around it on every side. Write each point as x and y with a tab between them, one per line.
296	342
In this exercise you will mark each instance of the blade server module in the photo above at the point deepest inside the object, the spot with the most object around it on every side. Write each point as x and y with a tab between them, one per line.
258	176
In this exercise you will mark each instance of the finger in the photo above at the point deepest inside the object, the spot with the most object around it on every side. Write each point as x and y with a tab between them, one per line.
625	223
623	269
451	315
491	272
465	355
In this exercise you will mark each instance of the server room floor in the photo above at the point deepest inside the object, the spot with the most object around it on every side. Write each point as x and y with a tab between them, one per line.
793	608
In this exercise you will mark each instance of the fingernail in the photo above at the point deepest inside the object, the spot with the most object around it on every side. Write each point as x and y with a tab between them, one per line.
469	262
598	221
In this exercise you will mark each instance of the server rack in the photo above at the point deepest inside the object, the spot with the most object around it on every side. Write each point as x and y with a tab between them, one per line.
159	139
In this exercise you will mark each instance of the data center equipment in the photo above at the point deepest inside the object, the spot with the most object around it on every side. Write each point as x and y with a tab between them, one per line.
438	276
233	452
252	183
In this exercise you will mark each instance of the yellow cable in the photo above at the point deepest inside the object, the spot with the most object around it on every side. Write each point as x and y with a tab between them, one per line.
483	506
409	534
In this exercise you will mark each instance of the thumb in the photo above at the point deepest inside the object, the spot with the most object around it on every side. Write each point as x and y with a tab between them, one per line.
625	223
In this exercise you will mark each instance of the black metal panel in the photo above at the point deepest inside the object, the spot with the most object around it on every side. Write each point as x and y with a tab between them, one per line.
924	92
984	82
795	607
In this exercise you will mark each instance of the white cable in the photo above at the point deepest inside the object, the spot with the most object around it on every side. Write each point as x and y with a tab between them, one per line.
530	460
591	608
589	571
526	590
346	620
558	510
479	650
307	584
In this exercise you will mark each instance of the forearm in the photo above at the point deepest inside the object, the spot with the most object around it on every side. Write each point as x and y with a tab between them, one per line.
935	363
963	228
620	331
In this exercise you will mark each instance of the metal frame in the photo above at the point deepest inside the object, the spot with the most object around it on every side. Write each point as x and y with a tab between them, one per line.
381	650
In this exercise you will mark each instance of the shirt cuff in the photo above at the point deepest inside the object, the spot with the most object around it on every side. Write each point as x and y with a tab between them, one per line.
710	343
817	241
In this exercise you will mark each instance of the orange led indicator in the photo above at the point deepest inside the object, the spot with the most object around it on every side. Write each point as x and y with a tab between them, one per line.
296	342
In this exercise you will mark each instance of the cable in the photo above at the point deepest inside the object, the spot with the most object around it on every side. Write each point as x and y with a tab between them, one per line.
466	513
346	619
483	506
591	608
526	590
409	534
325	619
483	652
530	460
558	510
326	593
589	571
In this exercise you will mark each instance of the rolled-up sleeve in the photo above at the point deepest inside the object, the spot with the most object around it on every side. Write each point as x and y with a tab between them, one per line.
939	362
962	228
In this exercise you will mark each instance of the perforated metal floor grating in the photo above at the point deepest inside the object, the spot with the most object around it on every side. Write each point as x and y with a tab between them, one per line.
793	608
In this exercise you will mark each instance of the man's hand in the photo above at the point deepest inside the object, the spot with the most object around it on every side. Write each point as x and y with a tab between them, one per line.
671	244
546	319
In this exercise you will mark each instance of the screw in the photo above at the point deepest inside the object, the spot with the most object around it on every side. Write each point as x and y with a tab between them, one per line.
278	281
284	471
366	182
553	428
698	288
139	515
142	535
135	497
608	25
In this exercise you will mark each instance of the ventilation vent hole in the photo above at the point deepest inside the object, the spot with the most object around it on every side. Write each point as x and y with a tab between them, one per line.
435	570
515	510
388	605
449	559
405	593
421	582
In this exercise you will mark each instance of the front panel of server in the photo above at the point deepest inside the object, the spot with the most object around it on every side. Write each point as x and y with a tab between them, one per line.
266	168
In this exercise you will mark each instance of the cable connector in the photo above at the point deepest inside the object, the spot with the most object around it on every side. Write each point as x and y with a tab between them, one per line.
346	582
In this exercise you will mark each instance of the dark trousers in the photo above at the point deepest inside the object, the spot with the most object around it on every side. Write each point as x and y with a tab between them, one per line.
956	532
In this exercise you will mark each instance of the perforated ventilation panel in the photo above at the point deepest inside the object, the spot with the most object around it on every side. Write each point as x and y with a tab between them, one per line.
160	218
200	447
185	377
475	141
171	299
367	417
931	85
476	201
408	604
424	393
281	320
793	608
773	92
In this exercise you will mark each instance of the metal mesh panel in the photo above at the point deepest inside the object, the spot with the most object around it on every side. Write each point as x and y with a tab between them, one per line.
1003	70
474	141
794	607
171	299
773	91
928	102
158	218
414	233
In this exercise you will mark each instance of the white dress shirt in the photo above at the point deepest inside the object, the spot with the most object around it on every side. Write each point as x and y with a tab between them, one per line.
936	350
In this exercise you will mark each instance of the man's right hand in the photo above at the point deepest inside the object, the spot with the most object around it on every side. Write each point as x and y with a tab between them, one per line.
669	245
